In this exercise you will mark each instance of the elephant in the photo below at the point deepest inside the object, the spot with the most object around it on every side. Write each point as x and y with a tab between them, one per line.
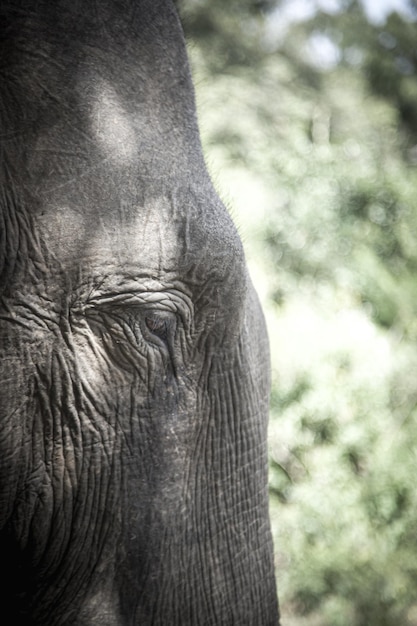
134	354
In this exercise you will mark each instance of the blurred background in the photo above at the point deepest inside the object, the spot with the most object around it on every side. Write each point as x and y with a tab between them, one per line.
308	113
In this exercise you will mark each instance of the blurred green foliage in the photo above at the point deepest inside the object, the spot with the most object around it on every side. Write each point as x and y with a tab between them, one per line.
310	130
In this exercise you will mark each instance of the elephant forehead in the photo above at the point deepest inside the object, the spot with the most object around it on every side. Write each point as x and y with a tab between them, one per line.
174	235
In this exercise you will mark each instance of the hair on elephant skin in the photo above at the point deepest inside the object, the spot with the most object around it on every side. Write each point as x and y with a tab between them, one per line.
134	360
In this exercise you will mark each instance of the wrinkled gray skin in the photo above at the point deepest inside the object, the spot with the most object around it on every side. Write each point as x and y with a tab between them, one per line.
134	358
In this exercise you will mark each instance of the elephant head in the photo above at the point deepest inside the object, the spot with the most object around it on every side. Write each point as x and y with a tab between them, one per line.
134	358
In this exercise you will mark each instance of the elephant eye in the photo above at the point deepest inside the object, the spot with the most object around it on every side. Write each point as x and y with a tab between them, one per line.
158	326
133	328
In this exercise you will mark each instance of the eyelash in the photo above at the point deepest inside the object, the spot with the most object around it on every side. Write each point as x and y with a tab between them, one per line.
158	326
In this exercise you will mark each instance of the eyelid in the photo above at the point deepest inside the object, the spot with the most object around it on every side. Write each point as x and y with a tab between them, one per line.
173	302
139	300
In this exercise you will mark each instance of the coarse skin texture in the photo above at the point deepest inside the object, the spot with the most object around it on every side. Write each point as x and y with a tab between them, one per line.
134	374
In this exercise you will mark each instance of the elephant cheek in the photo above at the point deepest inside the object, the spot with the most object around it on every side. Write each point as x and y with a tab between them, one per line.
16	409
148	398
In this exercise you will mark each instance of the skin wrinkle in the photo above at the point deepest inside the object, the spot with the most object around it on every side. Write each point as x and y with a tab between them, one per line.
232	437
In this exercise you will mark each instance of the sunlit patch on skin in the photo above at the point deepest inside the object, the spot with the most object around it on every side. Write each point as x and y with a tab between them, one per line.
111	125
